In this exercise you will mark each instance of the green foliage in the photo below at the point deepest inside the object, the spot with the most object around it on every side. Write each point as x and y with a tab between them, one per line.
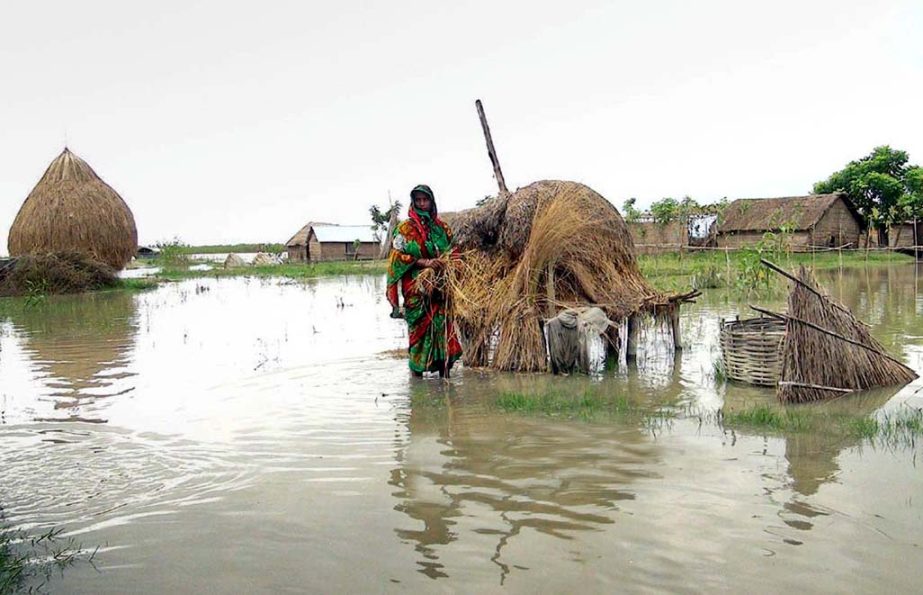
382	218
771	418
879	184
483	201
173	253
665	210
269	247
630	211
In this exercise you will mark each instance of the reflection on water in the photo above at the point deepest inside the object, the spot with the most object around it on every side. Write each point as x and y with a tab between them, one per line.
258	437
511	473
79	349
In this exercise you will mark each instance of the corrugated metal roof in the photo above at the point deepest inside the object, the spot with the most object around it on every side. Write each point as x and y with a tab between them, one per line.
344	233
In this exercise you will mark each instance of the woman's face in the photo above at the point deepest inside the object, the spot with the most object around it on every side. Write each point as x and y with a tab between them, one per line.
422	201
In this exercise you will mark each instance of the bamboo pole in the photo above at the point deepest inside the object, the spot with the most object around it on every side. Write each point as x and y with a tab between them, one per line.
491	151
828	332
815	386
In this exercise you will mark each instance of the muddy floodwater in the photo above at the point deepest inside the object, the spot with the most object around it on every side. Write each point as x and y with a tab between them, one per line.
244	435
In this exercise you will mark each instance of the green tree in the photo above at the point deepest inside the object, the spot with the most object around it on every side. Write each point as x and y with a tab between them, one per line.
630	211
665	210
381	219
877	184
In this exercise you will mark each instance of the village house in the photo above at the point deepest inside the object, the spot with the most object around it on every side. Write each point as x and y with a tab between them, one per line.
813	221
905	235
317	242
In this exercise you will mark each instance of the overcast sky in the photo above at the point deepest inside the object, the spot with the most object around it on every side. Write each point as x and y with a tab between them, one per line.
239	121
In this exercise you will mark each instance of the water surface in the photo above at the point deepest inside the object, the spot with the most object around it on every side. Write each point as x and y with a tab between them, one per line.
238	435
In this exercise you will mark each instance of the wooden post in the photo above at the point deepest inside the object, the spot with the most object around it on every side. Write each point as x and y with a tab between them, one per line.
674	322
634	329
491	151
549	290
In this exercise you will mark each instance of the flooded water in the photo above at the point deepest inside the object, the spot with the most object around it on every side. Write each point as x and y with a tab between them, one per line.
245	435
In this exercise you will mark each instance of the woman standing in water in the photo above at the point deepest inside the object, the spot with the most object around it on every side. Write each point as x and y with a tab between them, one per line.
417	244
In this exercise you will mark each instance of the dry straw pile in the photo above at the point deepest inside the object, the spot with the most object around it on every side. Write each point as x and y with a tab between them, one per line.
827	352
72	209
548	246
62	272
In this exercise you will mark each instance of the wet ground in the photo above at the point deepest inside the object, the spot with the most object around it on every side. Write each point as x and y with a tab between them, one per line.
241	435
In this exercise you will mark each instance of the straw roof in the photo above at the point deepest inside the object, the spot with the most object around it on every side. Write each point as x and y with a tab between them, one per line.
550	245
72	209
764	214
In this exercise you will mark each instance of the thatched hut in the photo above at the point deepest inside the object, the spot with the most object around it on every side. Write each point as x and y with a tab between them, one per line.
550	245
72	209
817	220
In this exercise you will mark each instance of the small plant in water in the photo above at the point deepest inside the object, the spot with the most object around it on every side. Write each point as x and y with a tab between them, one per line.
29	562
36	293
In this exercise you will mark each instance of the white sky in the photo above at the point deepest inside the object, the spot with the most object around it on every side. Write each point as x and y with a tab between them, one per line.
231	121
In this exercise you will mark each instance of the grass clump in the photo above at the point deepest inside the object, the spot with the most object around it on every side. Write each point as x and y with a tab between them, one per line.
30	561
583	405
770	418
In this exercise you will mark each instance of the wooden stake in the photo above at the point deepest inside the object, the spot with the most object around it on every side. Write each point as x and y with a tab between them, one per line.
677	337
634	330
549	290
491	151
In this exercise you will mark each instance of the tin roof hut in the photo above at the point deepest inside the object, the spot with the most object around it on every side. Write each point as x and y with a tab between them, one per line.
548	246
72	210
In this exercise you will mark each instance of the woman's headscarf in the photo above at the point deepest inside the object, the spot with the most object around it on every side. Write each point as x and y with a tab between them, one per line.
431	227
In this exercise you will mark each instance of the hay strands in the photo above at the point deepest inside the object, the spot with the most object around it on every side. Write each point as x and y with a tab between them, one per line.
828	332
827	351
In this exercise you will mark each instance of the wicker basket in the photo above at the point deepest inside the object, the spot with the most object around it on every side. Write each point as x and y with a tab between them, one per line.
751	350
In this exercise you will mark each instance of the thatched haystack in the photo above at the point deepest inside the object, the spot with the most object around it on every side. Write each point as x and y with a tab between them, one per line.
548	246
827	352
64	272
72	209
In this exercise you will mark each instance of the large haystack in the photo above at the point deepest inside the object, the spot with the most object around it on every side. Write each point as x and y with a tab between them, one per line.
72	209
548	246
827	352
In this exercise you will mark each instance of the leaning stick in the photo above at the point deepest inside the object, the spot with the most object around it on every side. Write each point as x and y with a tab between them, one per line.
491	151
807	286
830	333
814	386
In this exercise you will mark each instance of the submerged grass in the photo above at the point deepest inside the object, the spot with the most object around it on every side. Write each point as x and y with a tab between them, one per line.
714	268
28	562
287	271
902	428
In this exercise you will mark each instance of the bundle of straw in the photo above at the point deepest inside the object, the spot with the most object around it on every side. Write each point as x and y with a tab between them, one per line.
548	246
827	352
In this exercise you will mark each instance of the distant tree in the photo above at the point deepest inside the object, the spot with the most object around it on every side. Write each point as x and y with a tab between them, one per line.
630	211
665	210
878	184
482	201
381	218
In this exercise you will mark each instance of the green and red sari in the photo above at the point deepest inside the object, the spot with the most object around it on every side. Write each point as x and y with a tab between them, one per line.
434	346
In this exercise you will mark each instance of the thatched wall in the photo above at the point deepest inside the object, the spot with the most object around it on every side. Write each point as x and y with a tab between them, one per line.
72	209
